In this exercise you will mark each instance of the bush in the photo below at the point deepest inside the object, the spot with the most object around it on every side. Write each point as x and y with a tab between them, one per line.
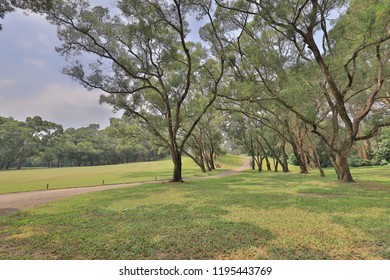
355	161
292	159
382	150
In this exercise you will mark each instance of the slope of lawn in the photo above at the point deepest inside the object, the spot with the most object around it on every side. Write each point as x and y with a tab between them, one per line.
245	216
71	177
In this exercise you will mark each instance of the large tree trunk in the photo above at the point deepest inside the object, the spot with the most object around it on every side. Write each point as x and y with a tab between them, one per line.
260	165
340	164
297	143
301	158
268	164
315	158
212	164
198	159
202	167
251	149
284	165
253	162
201	163
207	160
364	149
284	157
259	161
276	165
177	166
301	162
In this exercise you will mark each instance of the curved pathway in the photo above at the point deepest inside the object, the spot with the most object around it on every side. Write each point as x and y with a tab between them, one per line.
15	201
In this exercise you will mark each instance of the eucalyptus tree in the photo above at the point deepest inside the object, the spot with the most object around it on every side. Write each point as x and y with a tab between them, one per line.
139	55
336	67
206	141
46	135
17	142
289	129
133	141
5	7
250	136
34	6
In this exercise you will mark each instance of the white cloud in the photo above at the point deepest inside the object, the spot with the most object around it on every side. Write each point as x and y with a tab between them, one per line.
44	40
6	83
40	63
36	41
31	83
69	105
67	94
25	42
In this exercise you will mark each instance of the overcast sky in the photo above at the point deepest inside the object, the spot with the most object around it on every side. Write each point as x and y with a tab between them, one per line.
31	81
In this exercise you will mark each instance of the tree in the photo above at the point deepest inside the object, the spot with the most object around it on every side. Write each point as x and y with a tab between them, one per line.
144	62
45	134
49	156
206	141
258	141
16	142
352	65
133	141
35	6
5	7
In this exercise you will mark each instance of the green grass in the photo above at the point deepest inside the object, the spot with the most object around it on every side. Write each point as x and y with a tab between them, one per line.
71	177
246	216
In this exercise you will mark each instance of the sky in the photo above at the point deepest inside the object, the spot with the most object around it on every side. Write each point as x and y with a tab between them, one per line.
31	81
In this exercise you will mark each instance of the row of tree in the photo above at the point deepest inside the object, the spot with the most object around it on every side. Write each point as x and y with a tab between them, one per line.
303	73
38	142
270	148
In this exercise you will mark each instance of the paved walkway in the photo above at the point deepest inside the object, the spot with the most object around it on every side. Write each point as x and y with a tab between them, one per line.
15	201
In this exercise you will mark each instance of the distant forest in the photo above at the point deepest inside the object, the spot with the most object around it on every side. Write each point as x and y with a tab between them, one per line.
37	143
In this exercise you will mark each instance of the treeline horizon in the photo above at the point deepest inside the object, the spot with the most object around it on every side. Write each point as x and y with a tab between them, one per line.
38	143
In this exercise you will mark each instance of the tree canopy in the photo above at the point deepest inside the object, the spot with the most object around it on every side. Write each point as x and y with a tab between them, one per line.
295	53
142	59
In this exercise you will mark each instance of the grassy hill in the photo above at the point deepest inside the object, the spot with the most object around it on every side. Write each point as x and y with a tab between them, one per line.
71	177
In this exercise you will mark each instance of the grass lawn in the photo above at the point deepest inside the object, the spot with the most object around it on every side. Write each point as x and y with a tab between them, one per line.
246	216
71	177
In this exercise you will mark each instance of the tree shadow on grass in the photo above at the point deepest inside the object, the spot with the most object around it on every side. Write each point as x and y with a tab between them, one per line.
146	232
373	226
166	221
178	232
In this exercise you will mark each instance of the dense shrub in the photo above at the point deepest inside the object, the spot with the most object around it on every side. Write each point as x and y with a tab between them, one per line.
292	160
356	161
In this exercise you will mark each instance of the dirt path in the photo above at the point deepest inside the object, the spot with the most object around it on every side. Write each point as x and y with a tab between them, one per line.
15	201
